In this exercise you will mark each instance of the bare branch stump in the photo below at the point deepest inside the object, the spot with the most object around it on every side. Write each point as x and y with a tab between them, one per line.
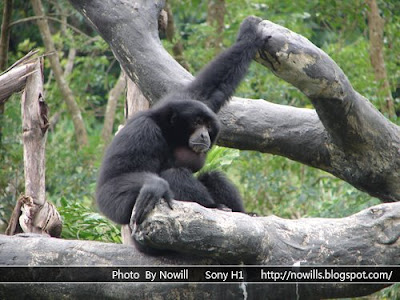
13	80
35	214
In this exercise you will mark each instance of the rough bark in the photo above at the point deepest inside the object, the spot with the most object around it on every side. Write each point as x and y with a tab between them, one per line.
358	144
369	237
376	27
34	134
346	135
35	250
73	108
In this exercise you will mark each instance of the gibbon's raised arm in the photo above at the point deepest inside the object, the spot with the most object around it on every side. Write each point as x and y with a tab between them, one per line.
216	83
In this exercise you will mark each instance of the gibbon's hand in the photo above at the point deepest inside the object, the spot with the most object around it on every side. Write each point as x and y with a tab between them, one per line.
149	195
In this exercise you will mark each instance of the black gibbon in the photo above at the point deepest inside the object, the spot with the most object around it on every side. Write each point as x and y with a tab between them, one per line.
155	155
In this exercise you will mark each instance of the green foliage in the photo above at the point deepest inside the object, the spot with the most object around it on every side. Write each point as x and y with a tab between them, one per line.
11	160
81	222
276	185
220	158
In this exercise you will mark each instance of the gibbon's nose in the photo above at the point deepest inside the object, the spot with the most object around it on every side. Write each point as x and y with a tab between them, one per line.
205	139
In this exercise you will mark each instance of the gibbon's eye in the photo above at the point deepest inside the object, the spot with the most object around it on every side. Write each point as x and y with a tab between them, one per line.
198	122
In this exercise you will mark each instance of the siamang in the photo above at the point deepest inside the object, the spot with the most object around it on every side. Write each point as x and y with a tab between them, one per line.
155	155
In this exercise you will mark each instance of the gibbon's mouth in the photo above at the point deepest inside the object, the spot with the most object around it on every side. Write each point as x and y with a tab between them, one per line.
199	147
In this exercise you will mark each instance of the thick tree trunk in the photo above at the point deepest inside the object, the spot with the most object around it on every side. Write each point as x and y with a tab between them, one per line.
34	127
358	144
370	237
73	108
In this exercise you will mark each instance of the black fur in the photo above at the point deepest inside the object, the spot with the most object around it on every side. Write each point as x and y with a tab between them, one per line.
150	158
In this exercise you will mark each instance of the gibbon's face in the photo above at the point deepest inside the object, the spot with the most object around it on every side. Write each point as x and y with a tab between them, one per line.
194	126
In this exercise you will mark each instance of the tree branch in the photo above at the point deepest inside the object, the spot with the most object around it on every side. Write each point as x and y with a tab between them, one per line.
369	237
35	18
362	145
296	133
141	54
14	80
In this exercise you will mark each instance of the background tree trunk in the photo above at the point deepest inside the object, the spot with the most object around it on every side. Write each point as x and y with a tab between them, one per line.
376	29
170	35
135	100
70	62
4	40
73	108
5	33
112	102
215	18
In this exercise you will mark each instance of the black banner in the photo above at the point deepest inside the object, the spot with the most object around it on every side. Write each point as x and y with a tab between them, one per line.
201	274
